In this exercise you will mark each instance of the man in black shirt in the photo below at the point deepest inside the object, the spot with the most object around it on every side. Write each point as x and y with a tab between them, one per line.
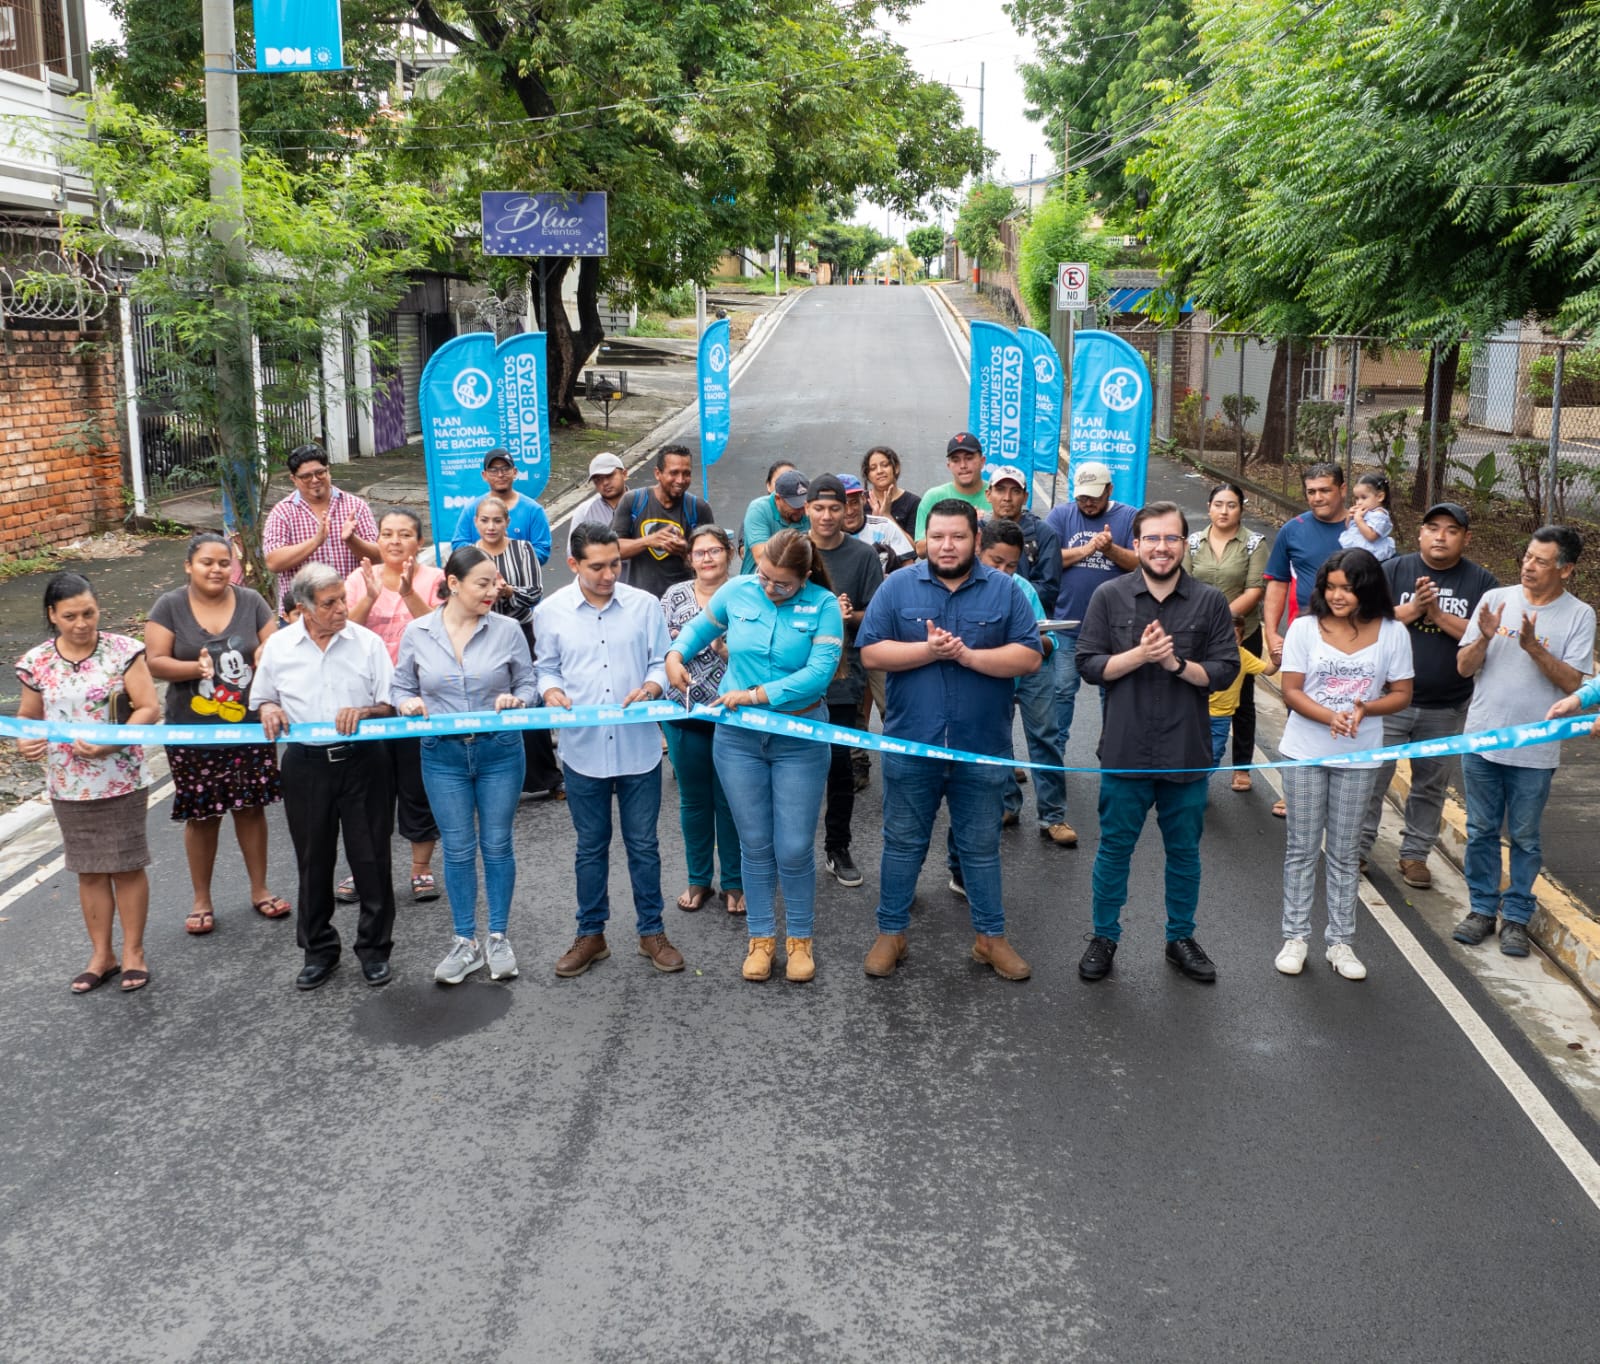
1160	642
1436	594
856	574
653	525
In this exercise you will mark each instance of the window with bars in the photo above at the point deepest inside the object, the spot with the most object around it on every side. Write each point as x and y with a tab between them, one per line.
33	38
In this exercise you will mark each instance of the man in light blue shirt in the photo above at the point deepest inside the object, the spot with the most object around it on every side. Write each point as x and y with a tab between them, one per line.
603	643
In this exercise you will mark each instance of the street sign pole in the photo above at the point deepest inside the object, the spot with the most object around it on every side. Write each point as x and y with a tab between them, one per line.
1072	293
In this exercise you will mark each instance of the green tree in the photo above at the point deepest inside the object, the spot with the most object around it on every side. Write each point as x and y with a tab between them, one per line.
320	246
1062	229
925	243
986	206
847	247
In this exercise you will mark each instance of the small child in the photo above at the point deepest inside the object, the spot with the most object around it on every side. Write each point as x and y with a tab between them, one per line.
290	609
1370	523
1225	703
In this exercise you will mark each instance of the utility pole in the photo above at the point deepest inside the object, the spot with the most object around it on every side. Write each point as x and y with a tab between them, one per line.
236	405
980	108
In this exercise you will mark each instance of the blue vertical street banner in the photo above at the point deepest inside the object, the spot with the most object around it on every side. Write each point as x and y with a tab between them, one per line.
1111	411
1049	395
474	398
716	416
298	35
1000	396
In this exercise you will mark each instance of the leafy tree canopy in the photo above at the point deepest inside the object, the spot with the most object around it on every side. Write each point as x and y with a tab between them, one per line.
925	242
1062	229
986	206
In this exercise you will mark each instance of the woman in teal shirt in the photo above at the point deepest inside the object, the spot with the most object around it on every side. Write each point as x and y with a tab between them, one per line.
785	637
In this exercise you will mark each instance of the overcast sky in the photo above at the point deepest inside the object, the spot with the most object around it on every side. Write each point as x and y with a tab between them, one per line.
945	40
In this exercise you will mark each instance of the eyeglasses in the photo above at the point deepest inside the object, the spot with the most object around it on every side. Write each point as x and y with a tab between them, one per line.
309	475
780	591
716	552
1154	540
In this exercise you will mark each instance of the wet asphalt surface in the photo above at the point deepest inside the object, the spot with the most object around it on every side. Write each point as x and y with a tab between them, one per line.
632	1166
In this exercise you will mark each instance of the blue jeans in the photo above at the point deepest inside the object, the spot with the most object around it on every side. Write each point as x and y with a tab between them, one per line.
473	786
1036	699
912	790
1181	815
638	799
703	809
1220	727
775	785
1067	683
1513	797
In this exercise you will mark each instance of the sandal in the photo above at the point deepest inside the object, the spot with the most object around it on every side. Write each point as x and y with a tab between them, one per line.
85	981
199	921
694	898
134	980
345	891
1241	781
273	907
423	887
1280	810
734	901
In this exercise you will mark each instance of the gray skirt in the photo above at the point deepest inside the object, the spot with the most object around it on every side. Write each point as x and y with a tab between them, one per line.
99	836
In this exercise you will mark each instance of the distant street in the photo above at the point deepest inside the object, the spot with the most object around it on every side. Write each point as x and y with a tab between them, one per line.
633	1167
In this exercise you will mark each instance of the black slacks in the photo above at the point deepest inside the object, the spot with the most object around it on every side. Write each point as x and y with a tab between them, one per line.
841	805
328	790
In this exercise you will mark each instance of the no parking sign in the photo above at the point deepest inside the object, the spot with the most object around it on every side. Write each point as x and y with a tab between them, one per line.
1072	286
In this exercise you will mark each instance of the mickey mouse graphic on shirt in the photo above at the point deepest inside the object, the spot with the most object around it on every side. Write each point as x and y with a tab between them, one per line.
225	676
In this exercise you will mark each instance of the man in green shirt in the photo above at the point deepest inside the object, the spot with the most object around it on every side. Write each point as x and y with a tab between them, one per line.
964	458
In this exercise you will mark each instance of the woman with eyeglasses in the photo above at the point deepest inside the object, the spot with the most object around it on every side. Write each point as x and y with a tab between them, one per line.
703	810
1231	559
785	636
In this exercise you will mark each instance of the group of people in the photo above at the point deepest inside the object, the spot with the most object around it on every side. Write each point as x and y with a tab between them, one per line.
952	613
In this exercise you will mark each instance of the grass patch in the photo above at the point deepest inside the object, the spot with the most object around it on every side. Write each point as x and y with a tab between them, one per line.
763	284
650	324
40	558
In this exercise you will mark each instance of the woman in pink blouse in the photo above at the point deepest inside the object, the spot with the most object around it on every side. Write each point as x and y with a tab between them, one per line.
385	598
98	791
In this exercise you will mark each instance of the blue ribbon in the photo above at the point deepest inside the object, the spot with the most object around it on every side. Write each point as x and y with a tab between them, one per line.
766	721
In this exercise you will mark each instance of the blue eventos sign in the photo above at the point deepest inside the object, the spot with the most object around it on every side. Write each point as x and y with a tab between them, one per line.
517	224
1049	395
298	35
1000	398
1111	411
716	414
475	397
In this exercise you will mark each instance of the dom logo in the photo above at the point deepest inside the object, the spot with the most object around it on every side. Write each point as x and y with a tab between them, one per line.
288	56
1120	389
472	388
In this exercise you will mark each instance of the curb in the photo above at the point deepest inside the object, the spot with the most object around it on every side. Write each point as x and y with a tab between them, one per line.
955	312
1561	926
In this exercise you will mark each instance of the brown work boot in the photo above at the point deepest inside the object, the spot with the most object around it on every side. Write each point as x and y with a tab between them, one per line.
1010	819
583	954
663	955
1001	955
758	958
885	954
800	964
1416	873
1063	835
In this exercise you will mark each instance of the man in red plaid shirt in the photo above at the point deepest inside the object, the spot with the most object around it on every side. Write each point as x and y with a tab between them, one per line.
317	523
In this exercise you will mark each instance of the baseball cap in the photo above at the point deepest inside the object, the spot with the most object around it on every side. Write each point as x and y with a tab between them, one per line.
826	486
963	440
1092	479
851	485
605	463
498	454
1454	510
1001	472
791	488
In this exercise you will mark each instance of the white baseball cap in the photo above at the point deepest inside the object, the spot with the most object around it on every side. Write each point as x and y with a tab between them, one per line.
1091	479
605	463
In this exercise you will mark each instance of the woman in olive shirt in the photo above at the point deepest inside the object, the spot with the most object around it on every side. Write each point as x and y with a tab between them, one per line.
1231	559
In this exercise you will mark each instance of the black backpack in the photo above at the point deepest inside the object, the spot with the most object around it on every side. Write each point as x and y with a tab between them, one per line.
691	509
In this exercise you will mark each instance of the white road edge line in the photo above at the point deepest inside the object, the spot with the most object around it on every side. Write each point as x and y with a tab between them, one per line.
33	880
948	328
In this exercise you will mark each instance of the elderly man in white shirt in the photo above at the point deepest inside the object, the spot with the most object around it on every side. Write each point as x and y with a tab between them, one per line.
324	669
603	643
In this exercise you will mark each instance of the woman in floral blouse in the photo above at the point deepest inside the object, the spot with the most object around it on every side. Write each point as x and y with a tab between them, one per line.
702	807
98	791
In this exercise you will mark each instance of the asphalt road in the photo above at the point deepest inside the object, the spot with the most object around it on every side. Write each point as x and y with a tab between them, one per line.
629	1166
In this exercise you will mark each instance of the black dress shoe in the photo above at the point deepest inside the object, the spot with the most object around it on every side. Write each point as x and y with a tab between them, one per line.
1096	962
1190	958
376	972
313	974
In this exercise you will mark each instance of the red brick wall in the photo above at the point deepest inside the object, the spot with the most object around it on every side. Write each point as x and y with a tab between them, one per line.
53	488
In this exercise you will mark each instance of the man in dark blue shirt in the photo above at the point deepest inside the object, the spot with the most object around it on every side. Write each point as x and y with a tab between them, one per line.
953	636
1301	548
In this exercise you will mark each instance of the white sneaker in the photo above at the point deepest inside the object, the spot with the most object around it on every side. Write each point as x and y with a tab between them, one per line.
465	957
1292	957
1341	956
502	960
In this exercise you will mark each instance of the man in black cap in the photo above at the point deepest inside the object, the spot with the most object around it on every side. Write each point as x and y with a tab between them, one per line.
1436	592
964	458
525	518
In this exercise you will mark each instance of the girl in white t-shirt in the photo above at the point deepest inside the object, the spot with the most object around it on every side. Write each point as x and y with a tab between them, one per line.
1346	664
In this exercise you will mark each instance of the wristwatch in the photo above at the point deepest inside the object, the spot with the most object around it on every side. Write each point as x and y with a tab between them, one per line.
1182	664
